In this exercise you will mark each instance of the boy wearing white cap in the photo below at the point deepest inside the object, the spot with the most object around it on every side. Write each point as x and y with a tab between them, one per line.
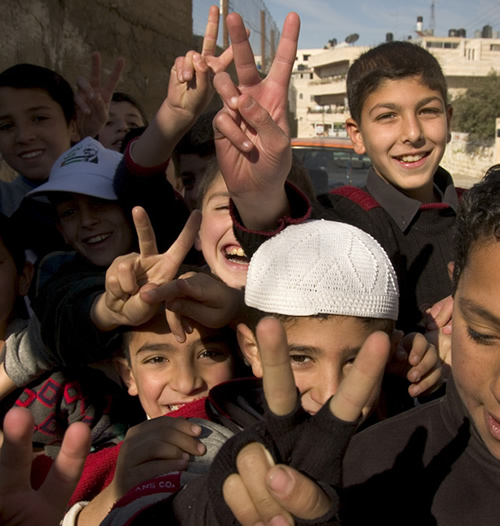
332	286
89	217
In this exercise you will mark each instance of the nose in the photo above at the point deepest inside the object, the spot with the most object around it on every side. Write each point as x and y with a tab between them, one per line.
122	126
325	386
495	385
89	217
187	382
412	131
24	133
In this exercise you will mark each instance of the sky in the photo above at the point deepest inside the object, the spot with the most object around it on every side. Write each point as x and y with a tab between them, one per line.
322	20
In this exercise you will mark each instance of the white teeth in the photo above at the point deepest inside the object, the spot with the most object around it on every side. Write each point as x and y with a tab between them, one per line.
98	239
175	407
30	155
411	158
236	251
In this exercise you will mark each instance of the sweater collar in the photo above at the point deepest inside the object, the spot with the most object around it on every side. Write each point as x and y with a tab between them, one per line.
402	208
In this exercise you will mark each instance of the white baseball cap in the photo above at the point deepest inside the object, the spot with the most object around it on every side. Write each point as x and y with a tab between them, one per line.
87	168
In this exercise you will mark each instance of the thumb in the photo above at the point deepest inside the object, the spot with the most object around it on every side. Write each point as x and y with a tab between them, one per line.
297	493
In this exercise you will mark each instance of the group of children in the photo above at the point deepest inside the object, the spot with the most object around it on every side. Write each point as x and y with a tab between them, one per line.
258	335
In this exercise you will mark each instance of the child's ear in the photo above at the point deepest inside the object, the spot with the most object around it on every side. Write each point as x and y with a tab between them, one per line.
451	268
74	135
197	242
126	374
248	346
354	133
25	278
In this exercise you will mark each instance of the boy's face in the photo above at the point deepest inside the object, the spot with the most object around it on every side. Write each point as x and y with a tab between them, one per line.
96	228
123	116
476	341
404	130
33	131
166	374
192	168
322	352
216	240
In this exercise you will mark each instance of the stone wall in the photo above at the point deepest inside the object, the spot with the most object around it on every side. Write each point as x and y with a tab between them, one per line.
467	165
61	35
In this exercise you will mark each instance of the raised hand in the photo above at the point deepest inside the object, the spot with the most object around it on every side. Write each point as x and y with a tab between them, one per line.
121	303
251	132
262	491
92	100
20	505
190	89
154	447
197	296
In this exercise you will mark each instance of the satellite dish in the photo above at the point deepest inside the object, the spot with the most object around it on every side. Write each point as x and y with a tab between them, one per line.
351	38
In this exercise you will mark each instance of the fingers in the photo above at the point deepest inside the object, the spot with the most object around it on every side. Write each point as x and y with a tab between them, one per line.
439	315
227	127
244	60
246	493
145	233
182	245
68	465
211	32
297	493
113	79
425	373
16	452
278	380
284	59
360	387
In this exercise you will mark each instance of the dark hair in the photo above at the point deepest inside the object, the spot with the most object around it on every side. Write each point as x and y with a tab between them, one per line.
478	218
211	173
391	61
252	316
30	76
199	140
119	96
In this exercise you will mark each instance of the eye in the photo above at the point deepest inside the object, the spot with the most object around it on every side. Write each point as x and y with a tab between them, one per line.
431	111
215	355
6	126
300	360
67	213
386	116
481	339
222	207
156	360
40	118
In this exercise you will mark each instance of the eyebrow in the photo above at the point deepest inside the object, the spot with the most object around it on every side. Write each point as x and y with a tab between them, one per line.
218	194
473	308
29	110
392	106
159	346
344	351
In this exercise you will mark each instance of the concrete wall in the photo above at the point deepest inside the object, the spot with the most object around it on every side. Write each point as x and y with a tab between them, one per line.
61	35
465	165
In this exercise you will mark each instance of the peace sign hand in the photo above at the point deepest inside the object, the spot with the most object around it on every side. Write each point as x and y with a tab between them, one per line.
121	303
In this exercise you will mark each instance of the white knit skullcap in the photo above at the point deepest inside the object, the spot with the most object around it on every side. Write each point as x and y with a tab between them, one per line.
322	267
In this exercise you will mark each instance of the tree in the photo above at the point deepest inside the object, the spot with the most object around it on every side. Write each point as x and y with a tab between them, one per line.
475	111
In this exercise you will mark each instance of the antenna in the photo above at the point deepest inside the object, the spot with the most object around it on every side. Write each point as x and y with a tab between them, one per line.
433	19
350	39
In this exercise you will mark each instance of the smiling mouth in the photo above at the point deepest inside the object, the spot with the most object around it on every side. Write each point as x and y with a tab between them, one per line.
236	255
94	240
408	159
31	155
174	407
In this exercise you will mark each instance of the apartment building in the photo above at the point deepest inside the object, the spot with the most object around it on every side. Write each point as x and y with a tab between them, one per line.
318	89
